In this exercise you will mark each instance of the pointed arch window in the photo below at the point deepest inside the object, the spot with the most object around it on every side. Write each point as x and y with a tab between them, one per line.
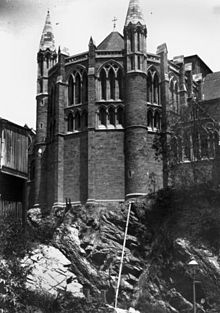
70	91
156	89
103	84
216	141
77	121
120	116
174	94
180	149
111	114
70	122
102	116
77	89
119	84
84	88
112	83
204	145
157	121
149	88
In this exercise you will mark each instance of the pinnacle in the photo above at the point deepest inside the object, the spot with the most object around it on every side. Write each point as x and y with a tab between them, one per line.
135	13
47	39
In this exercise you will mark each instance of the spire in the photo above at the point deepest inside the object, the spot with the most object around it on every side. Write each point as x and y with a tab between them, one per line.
134	14
47	39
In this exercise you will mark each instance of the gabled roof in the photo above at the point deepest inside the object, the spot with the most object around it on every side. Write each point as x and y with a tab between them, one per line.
211	86
134	14
113	42
47	39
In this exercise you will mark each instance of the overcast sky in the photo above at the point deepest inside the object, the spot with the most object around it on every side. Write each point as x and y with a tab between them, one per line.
187	26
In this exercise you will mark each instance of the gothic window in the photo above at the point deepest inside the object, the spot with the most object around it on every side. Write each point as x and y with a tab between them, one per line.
102	116
84	88
139	62
111	114
138	41
120	116
150	119
174	94
211	145
157	120
77	89
77	121
103	84
132	41
156	89
119	82
112	83
70	91
204	144
84	120
70	122
149	87
132	62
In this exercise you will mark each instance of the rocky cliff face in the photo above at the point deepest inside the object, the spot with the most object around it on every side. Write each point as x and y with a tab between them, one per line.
165	232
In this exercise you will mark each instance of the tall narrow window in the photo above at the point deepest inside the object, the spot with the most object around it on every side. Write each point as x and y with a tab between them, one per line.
180	149
186	143
112	83
138	41
84	88
78	89
70	91
204	145
156	120
176	95
149	88
120	84
150	119
103	84
102	116
174	148
111	114
70	123
120	116
77	121
156	89
216	142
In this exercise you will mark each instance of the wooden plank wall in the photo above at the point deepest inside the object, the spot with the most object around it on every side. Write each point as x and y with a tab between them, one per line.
14	150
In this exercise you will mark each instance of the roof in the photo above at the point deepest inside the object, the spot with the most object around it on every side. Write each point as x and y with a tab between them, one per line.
135	13
113	42
47	38
211	86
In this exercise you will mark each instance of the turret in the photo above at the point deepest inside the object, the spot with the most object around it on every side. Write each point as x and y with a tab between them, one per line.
136	149
46	58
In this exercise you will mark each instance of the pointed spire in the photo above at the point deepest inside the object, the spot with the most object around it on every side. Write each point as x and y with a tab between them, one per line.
47	39
134	14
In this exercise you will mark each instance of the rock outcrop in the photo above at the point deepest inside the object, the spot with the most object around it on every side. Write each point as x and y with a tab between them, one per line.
156	276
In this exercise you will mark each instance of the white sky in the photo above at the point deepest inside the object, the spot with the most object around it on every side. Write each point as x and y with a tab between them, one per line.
187	26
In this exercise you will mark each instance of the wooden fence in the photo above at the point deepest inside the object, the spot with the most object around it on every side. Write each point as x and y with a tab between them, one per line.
11	208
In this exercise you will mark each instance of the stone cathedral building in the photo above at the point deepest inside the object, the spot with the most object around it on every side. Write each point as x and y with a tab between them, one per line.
98	112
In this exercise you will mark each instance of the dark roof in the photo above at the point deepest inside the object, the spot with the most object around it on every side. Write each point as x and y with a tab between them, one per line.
113	42
211	86
195	56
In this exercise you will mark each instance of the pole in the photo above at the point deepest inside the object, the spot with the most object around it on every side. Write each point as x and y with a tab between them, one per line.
122	255
194	293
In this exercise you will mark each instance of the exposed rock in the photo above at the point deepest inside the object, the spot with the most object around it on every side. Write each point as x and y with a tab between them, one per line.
50	272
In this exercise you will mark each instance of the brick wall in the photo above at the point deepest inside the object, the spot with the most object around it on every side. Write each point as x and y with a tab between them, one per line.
76	167
109	165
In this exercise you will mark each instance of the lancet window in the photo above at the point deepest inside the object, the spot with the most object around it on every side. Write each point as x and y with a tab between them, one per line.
112	117
111	82
153	87
174	94
78	88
